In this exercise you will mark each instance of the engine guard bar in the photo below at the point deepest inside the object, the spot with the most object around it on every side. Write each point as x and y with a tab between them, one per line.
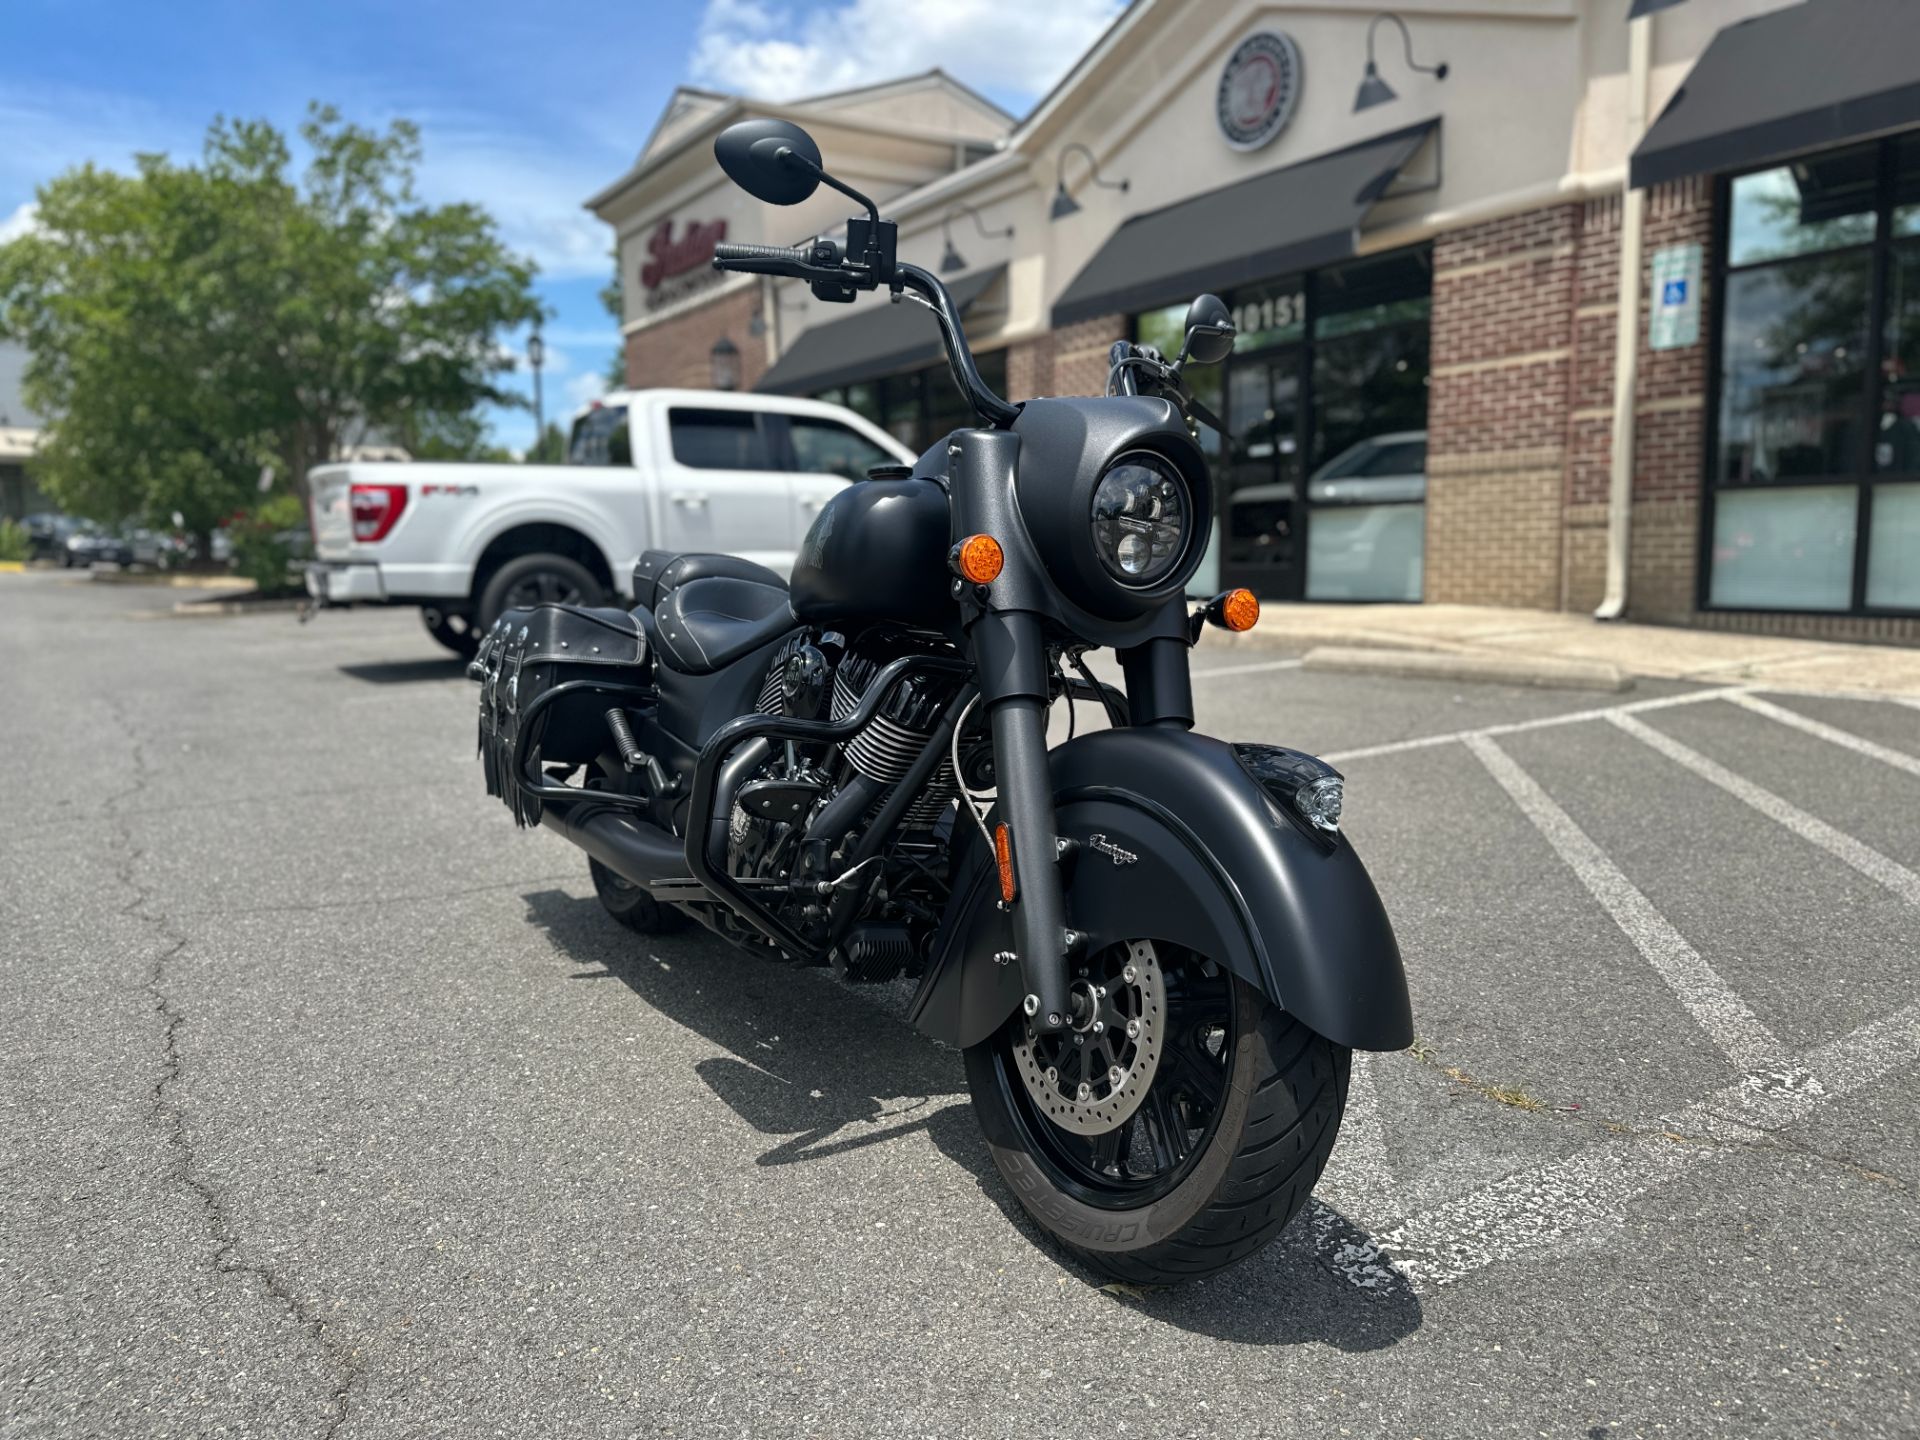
706	778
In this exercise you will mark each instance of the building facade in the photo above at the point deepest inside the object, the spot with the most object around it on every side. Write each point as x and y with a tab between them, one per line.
1608	315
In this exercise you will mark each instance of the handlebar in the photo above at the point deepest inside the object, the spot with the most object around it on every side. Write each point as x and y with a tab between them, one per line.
761	259
801	263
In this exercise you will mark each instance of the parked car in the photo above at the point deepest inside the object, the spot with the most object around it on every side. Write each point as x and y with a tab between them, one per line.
47	534
1366	533
676	470
90	545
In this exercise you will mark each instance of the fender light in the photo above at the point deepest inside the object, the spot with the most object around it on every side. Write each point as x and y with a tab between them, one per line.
376	509
1303	786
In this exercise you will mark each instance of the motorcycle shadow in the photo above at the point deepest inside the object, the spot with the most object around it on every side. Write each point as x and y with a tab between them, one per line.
827	1070
405	672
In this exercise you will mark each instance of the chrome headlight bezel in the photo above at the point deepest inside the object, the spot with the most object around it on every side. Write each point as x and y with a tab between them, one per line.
1175	487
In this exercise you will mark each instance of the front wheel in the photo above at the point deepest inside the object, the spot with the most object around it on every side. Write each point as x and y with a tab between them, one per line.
1175	1128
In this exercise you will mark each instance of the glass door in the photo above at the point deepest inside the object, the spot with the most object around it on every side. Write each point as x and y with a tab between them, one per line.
1264	512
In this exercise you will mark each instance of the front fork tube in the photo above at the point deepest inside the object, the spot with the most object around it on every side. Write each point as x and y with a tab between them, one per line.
1011	654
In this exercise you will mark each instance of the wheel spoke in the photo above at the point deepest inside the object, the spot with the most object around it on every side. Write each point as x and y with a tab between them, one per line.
1108	1151
1197	1070
1164	1131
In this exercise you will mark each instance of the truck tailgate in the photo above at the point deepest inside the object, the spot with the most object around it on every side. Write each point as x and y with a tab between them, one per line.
329	490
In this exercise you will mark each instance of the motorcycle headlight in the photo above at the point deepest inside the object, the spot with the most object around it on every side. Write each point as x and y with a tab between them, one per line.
1140	519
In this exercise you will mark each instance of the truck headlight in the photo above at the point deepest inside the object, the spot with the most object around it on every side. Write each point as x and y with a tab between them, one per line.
1139	518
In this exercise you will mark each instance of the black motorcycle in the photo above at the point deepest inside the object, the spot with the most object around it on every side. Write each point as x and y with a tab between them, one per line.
1155	948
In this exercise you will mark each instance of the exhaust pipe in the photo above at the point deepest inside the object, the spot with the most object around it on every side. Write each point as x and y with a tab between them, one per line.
642	853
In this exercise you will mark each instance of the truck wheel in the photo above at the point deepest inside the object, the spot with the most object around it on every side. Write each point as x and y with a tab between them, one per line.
529	580
453	629
628	903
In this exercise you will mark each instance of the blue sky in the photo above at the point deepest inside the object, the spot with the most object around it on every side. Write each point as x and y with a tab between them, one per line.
526	108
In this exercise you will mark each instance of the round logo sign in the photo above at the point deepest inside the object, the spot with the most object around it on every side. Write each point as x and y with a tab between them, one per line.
1258	89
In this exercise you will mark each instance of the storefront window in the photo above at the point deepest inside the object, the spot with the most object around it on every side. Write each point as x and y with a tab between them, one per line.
1893	559
1819	204
918	407
1322	479
1788	548
1792	366
1819	386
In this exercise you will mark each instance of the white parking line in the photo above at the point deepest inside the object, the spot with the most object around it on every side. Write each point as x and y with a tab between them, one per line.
1576	1199
1864	858
1833	734
1710	1000
1544	722
1256	668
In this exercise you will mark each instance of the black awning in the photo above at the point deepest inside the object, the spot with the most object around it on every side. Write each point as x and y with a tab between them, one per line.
1293	219
875	340
1804	78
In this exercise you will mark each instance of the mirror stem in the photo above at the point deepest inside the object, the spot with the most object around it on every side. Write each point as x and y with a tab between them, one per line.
800	162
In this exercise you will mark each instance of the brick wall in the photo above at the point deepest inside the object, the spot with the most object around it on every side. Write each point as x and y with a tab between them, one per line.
1497	404
675	352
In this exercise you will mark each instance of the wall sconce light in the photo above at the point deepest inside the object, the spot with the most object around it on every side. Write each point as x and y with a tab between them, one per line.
952	263
723	364
1375	91
1063	203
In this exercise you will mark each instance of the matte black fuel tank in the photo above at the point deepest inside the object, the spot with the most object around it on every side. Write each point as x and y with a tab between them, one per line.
877	551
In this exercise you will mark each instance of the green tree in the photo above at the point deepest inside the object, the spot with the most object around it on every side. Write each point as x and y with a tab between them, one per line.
550	448
195	325
612	297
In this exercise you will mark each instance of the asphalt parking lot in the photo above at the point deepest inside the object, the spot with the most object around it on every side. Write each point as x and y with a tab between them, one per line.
332	1104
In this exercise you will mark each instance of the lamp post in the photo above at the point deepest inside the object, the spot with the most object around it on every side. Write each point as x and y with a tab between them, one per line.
723	362
1375	91
1063	203
952	262
536	355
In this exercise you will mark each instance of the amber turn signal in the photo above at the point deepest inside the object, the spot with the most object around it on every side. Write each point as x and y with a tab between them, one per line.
978	559
1239	609
1003	852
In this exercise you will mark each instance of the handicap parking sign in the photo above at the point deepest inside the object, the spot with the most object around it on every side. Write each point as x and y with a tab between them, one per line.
1675	321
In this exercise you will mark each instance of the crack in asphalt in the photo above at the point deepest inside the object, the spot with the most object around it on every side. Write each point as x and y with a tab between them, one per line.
170	1114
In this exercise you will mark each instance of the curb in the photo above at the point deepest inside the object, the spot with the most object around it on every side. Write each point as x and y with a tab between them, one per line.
166	581
1482	669
13	567
219	609
195	609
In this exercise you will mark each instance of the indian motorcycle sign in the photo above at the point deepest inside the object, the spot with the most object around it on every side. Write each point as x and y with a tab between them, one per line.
678	265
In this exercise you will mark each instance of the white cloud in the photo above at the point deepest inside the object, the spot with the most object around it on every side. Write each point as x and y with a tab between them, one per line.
24	221
533	191
582	388
775	52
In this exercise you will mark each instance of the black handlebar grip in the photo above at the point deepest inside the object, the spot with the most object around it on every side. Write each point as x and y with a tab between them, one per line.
728	257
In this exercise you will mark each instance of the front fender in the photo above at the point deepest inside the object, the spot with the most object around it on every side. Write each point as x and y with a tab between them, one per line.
1178	843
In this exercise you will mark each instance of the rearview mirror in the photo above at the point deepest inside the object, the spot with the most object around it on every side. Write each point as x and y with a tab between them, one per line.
772	160
1210	331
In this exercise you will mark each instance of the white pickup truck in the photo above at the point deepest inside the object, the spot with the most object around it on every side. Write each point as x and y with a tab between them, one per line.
673	470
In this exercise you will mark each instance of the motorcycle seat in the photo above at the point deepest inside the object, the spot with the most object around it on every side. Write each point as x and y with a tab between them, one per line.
705	625
658	572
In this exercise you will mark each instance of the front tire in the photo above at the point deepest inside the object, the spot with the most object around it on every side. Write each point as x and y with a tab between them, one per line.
1223	1149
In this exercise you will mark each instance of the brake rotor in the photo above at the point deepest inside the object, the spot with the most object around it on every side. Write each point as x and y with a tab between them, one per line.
1091	1077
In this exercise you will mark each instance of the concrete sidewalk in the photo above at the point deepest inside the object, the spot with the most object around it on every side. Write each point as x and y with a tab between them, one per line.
1668	652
